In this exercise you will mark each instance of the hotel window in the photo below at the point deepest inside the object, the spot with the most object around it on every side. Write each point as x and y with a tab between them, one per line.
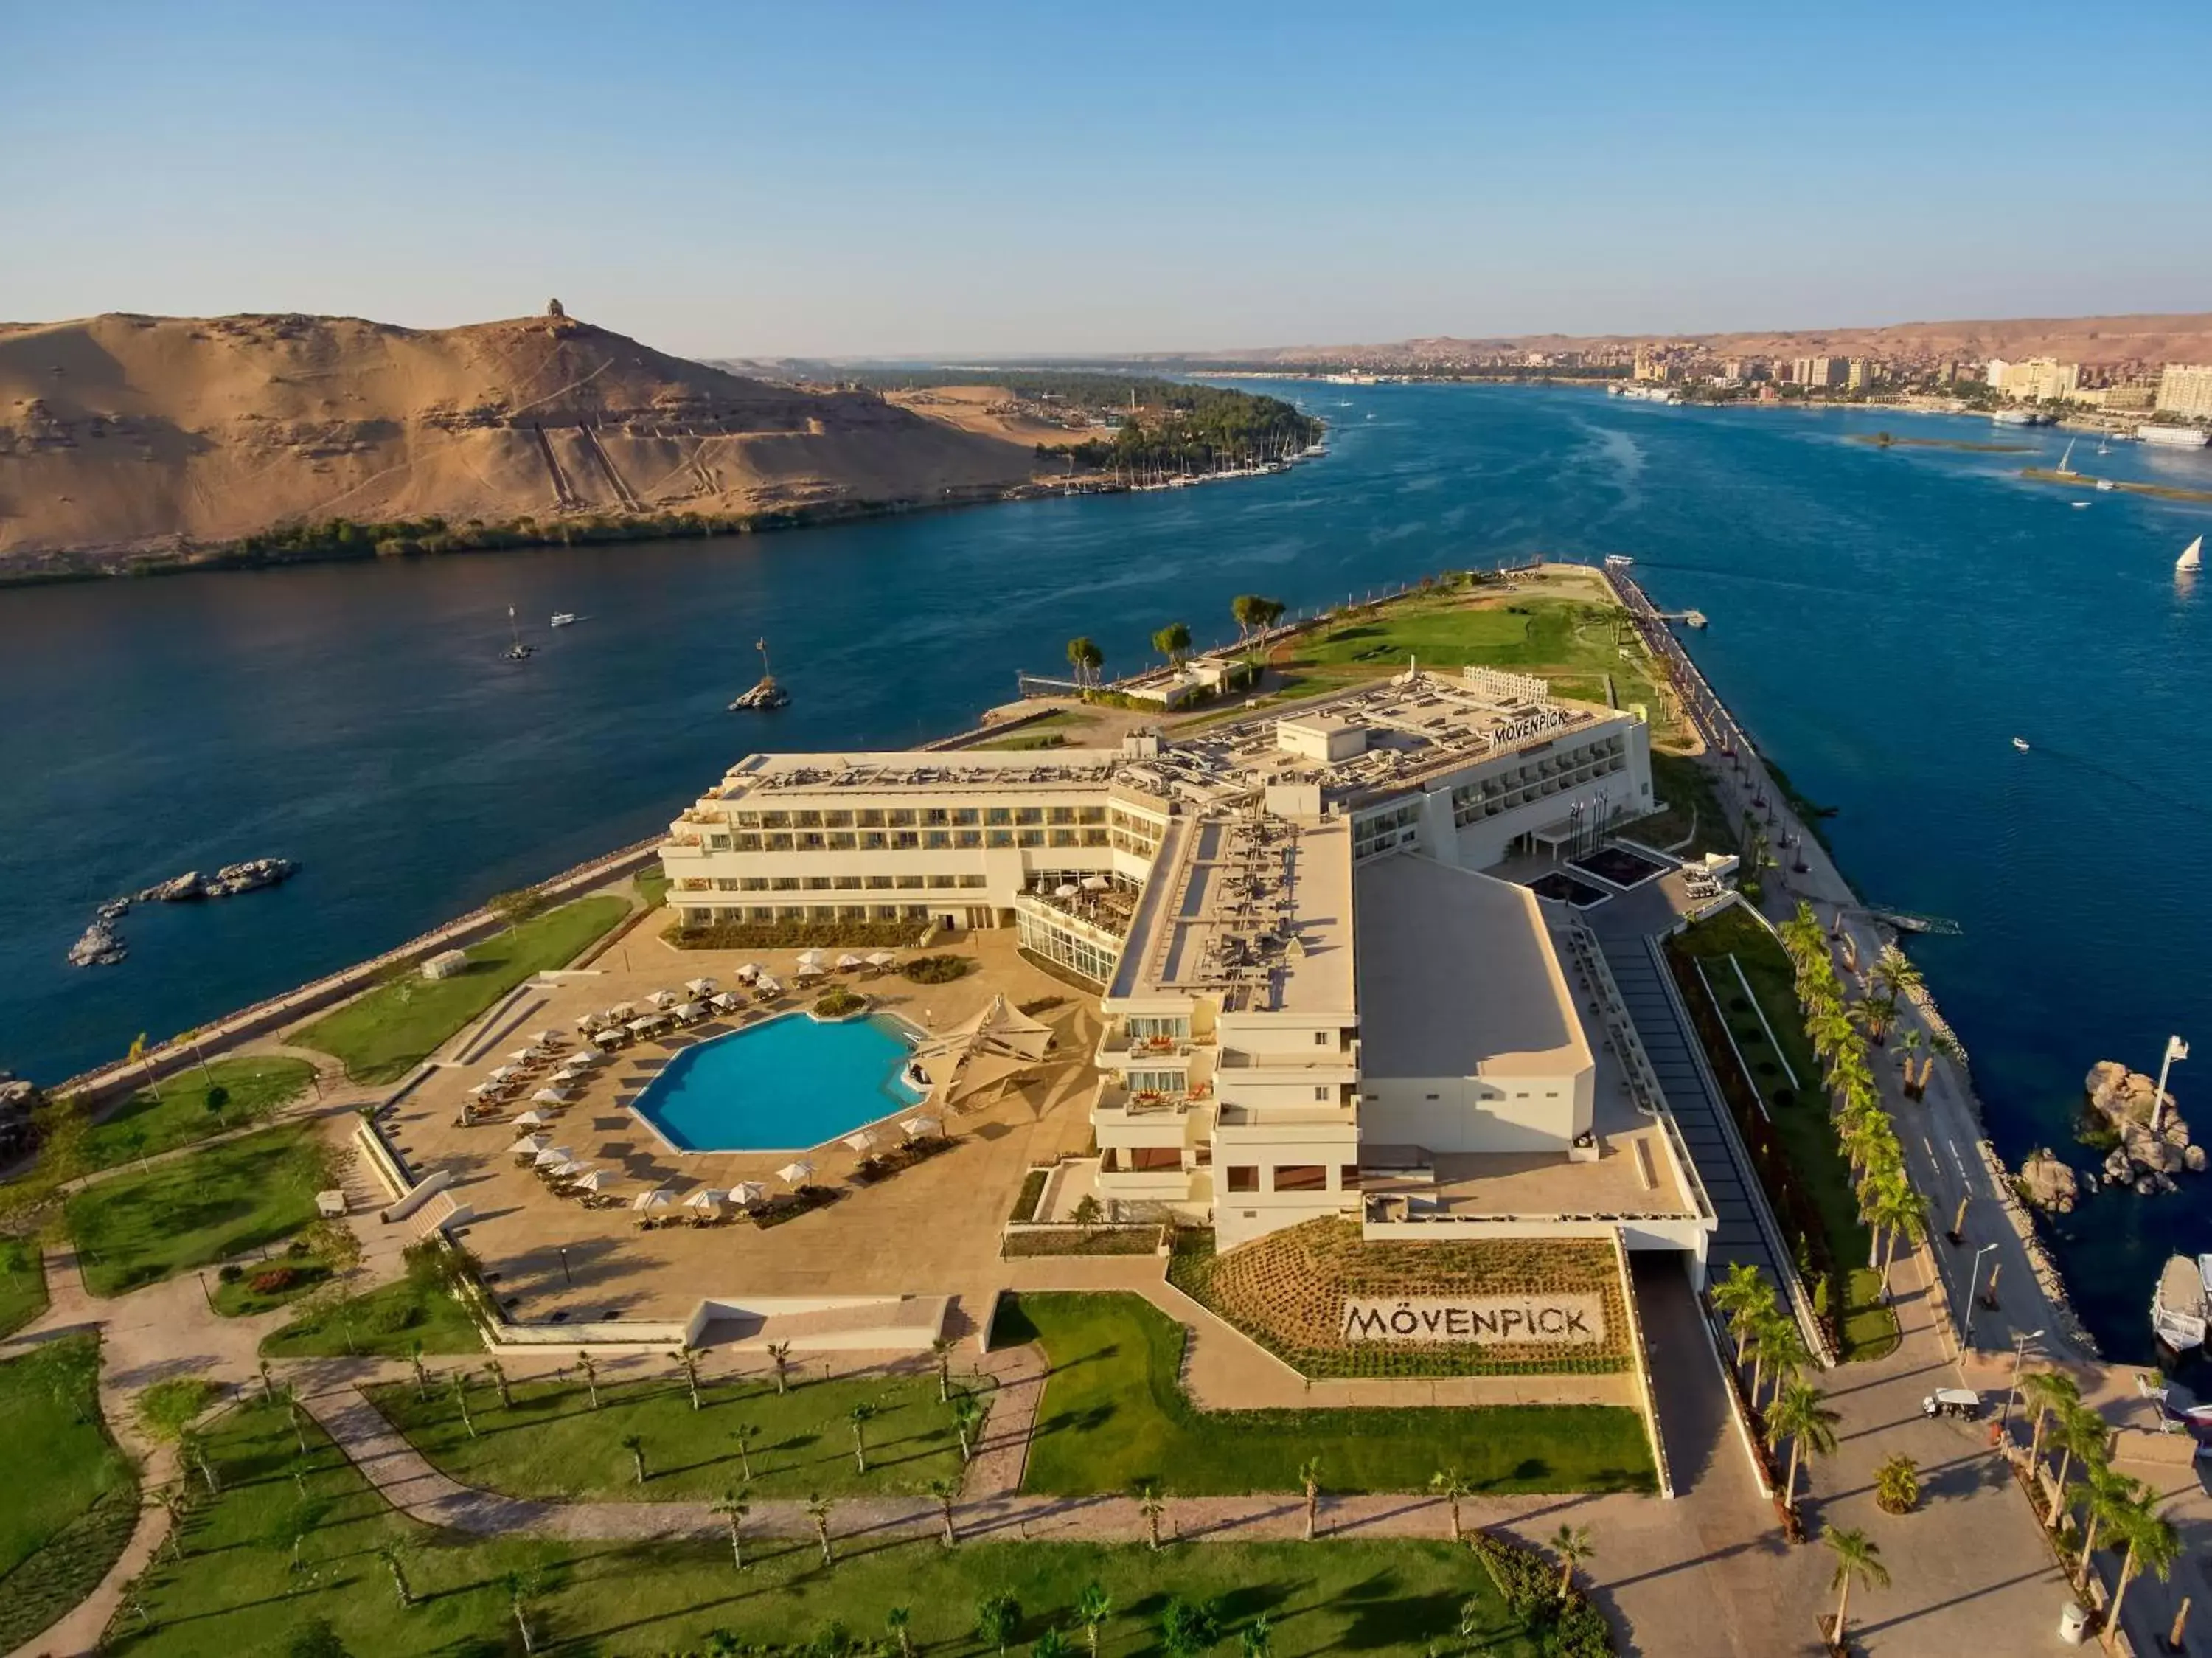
747	843
882	912
806	820
836	819
698	917
1143	1024
1320	1038
775	820
940	881
999	837
872	840
1244	1177
905	840
851	913
718	842
1094	838
903	818
1155	1160
745	819
1322	1093
822	912
779	843
973	882
1090	814
937	840
790	913
1028	837
967	815
846	883
935	815
724	884
968	837
914	912
785	884
1029	814
1062	815
818	883
997	814
752	883
813	842
1064	837
724	918
760	912
1160	1082
879	883
1301	1177
910	880
1347	1177
843	840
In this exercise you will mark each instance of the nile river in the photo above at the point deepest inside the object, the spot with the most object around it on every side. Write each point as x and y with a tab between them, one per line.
1884	622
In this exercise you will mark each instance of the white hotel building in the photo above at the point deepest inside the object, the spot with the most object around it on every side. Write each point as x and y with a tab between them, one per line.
1315	1002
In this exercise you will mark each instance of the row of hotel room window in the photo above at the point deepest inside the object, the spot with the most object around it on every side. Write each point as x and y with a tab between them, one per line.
915	840
1236	1177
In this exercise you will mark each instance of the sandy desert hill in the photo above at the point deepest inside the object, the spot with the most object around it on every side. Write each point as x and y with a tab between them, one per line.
120	433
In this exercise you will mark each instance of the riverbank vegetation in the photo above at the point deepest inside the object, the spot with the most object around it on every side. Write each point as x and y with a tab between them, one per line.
211	1098
142	1226
266	1556
1115	1413
72	1496
383	1035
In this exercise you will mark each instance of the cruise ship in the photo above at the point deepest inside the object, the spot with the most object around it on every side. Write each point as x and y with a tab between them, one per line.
2175	437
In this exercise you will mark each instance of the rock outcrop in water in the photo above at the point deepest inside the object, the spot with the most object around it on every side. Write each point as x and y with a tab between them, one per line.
2046	1182
18	1130
2145	1159
103	947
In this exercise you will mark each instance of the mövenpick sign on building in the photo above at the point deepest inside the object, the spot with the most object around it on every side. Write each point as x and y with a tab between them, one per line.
1577	1320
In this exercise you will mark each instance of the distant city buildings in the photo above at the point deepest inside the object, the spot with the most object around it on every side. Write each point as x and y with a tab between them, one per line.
2038	379
1820	372
2185	389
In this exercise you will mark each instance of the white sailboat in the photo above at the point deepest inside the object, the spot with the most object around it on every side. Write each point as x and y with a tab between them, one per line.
2192	556
517	651
2066	461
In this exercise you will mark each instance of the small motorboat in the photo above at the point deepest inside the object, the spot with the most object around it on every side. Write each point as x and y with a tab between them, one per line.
2177	1305
564	619
2105	484
2077	504
2021	743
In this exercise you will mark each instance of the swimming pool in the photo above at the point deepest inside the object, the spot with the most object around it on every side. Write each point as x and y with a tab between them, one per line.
783	1085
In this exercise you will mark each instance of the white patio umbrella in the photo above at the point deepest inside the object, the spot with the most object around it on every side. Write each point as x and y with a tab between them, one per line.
748	1193
1066	889
691	1010
571	1170
546	1039
574	1071
586	1020
809	961
749	971
706	1196
863	1141
659	1198
613	1035
485	1090
622	1010
849	964
701	986
584	1061
532	1119
553	1096
527	1056
664	999
554	1156
915	1127
598	1180
796	1174
650	1023
503	1073
767	986
1096	883
723	1002
529	1143
882	959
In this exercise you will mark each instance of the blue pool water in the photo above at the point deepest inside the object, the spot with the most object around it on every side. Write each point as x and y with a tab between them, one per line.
782	1086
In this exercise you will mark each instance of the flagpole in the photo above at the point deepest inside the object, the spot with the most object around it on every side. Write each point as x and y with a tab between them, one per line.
2175	1049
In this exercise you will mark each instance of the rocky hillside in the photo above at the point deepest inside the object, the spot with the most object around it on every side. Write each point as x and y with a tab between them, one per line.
121	435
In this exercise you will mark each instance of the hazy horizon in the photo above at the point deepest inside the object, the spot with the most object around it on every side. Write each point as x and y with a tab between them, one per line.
877	181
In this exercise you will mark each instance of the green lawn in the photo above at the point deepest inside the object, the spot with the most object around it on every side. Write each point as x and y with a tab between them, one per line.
384	1034
240	1298
235	1593
194	1103
144	1225
553	1444
72	1496
382	1323
1693	806
23	1284
1802	1128
1113	1413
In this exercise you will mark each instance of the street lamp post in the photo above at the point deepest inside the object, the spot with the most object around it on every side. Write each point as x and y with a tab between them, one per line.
1973	1277
2019	1346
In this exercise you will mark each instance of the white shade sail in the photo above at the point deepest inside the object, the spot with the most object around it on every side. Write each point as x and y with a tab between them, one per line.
571	1170
916	1127
701	986
846	964
546	1039
997	1045
529	1144
749	971
706	1196
553	1096
659	1198
748	1193
598	1180
554	1156
532	1119
664	999
809	961
882	959
796	1174
862	1141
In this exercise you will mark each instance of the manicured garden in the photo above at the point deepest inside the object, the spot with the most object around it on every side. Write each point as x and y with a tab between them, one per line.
237	1590
1692	807
386	1322
72	1496
228	1094
1113	1413
550	1442
1797	1117
382	1035
142	1226
23	1284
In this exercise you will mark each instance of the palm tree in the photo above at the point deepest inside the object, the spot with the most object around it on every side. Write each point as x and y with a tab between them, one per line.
422	1371
1257	1638
1451	1485
897	1621
860	1415
818	1510
1902	1212
191	1447
395	1561
1856	1557
1085	656
460	1390
2109	1497
1799	1414
635	1446
1909	1046
1894	973
1573	1545
998	1616
1896	1484
2047	1391
590	1372
1150	1505
1778	1349
522	1586
967	1414
2152	1546
688	1357
1743	1296
743	1436
1051	1644
947	1492
780	1353
733	1506
497	1372
1093	1608
177	1504
2080	1432
942	1348
1309	1481
1171	641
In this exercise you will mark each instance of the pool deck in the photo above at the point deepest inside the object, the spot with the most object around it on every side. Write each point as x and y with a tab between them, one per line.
932	1229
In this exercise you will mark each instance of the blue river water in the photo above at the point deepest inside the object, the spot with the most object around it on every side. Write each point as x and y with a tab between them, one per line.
1883	621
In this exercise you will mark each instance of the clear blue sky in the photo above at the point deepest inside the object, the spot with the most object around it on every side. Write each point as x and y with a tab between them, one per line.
936	178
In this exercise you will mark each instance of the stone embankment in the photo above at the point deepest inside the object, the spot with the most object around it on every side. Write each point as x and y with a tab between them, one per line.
2154	1141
